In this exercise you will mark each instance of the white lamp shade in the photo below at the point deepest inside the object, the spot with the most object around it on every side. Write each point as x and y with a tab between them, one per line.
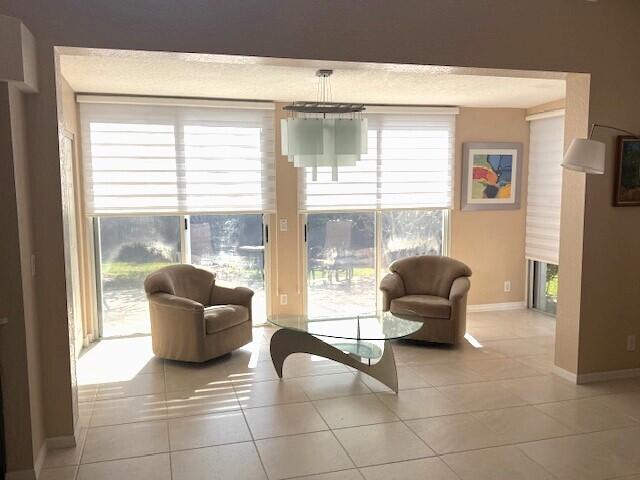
585	155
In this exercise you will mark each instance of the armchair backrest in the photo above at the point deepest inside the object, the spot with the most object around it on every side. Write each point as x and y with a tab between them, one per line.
429	274
181	280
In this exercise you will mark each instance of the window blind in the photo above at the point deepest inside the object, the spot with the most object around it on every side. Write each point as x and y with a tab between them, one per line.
409	164
546	146
177	159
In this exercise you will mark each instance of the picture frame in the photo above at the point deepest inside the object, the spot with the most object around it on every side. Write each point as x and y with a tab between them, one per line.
626	192
491	174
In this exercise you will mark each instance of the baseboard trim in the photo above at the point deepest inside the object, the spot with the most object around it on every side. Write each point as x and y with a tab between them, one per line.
595	377
65	441
610	375
42	454
492	307
566	374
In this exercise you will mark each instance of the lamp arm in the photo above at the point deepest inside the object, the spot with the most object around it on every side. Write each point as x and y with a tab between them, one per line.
599	125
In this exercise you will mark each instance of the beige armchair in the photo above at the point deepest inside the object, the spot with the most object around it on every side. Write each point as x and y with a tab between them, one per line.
433	287
193	319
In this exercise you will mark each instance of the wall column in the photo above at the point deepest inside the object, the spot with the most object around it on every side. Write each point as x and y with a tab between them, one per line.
571	232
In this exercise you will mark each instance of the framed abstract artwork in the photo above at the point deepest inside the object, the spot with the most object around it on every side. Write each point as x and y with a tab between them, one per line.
627	187
491	176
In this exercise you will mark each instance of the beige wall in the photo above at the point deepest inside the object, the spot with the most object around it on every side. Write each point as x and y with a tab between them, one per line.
287	254
23	198
491	242
610	300
19	339
494	34
571	232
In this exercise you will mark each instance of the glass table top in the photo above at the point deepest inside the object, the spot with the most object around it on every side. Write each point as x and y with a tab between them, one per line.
368	326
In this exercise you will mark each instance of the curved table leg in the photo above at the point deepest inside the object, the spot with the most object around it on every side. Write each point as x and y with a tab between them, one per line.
285	342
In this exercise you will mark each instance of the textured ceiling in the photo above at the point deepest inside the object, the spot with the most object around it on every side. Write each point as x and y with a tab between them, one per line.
186	75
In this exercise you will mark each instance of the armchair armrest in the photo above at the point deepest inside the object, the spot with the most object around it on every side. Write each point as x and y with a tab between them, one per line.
459	289
231	296
177	327
458	300
392	287
172	301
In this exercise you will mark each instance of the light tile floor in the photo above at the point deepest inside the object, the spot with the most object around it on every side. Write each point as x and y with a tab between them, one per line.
493	411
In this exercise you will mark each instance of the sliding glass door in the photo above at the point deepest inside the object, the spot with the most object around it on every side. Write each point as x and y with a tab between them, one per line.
406	233
543	293
231	246
349	252
130	248
341	264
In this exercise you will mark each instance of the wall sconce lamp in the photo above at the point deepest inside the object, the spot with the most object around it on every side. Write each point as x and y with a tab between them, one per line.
587	155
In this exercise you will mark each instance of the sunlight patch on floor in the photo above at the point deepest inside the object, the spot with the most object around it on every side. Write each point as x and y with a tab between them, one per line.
114	360
470	338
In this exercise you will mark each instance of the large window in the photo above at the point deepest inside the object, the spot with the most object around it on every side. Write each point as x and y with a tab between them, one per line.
150	159
393	203
232	246
409	165
412	232
169	183
341	263
128	249
348	254
544	197
544	287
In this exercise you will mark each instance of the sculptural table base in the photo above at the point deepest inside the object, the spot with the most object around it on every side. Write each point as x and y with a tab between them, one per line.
286	341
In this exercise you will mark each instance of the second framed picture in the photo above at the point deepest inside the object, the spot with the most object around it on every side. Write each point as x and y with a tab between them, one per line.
491	176
627	188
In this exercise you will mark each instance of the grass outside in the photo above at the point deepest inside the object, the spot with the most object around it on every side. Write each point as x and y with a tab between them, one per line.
552	287
129	271
135	272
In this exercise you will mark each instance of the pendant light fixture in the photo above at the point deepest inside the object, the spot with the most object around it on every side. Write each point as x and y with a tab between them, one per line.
322	133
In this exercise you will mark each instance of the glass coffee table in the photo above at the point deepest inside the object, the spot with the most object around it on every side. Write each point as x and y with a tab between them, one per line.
353	340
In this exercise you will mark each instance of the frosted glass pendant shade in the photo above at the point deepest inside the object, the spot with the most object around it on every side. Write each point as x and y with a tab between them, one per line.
585	155
302	136
325	160
350	136
313	142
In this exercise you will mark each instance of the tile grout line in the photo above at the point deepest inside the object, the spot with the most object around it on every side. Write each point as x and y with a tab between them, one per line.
336	439
253	440
166	406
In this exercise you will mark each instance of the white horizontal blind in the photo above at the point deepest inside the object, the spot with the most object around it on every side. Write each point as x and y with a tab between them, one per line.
409	164
546	145
177	159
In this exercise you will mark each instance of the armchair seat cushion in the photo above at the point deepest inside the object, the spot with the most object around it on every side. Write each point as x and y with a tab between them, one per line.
423	305
221	317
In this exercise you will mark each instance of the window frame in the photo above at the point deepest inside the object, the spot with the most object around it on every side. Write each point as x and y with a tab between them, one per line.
532	285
